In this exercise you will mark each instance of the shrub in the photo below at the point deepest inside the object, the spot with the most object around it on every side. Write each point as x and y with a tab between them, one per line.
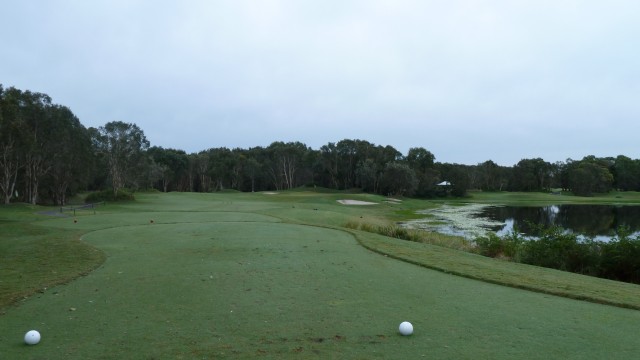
495	246
489	245
618	259
621	257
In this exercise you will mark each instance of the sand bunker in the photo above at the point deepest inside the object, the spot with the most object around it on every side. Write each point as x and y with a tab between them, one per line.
355	202
393	201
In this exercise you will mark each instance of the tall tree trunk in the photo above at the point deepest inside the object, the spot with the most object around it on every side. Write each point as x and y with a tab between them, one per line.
276	181
10	166
35	170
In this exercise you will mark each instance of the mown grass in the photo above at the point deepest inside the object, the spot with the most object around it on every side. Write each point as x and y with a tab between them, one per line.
279	276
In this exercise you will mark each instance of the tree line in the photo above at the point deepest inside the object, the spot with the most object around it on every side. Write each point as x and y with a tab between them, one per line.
47	155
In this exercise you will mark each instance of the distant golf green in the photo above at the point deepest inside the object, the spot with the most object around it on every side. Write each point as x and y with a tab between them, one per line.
216	276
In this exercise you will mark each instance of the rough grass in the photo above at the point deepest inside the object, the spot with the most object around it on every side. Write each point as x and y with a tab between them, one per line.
402	233
219	276
33	258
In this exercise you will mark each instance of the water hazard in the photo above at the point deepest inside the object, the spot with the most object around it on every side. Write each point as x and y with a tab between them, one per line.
598	221
595	221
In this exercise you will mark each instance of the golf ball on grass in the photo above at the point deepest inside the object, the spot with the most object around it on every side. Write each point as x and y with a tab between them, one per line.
406	328
32	337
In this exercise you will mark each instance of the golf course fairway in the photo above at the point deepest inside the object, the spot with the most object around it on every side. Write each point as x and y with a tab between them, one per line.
192	276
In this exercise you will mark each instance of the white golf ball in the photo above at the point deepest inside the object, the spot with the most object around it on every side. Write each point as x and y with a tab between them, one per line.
406	328
32	337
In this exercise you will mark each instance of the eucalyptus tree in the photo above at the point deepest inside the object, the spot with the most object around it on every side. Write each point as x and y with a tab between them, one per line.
201	164
256	171
386	154
24	136
239	161
38	146
171	166
26	144
43	147
531	175
626	173
490	176
190	176
557	174
328	160
309	173
10	139
399	179
221	164
72	160
350	154
590	175
422	161
368	176
348	158
457	175
284	162
124	146
252	169
342	165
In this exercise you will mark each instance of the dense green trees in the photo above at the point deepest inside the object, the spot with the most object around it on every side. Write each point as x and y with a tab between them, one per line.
72	161
531	175
626	173
490	176
285	163
399	179
46	155
123	146
43	148
10	134
169	169
589	175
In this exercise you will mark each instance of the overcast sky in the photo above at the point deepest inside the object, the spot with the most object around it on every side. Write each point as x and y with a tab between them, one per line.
469	81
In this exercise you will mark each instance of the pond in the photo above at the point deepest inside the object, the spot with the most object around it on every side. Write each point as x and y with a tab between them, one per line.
597	221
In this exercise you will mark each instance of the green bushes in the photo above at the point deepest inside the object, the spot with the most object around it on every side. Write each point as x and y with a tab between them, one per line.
495	246
621	259
557	249
617	259
108	195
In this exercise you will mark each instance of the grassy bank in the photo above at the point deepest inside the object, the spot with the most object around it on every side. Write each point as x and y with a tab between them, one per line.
541	198
506	273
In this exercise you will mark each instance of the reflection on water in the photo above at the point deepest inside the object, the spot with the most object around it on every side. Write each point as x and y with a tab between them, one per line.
598	221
